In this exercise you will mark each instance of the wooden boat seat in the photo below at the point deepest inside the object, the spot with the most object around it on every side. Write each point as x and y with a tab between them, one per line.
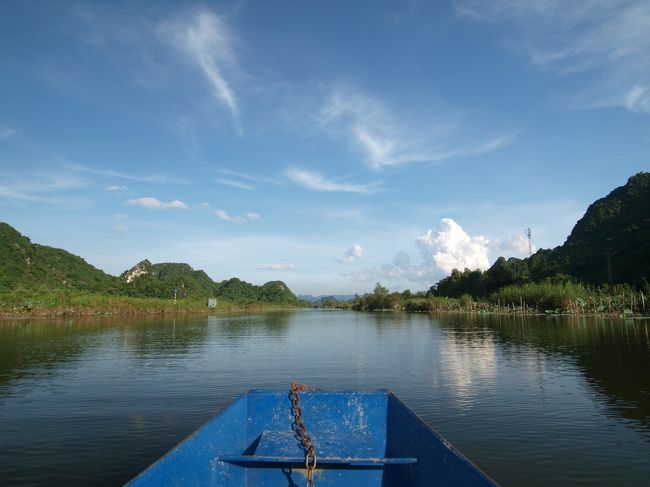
341	448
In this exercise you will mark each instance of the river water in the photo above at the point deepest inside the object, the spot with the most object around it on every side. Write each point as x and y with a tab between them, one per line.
531	400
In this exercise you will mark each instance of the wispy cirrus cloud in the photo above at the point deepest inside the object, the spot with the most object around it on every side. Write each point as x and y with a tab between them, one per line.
607	38
21	197
7	131
116	188
55	189
207	42
385	140
315	181
236	184
248	217
109	173
155	204
252	177
275	267
14	194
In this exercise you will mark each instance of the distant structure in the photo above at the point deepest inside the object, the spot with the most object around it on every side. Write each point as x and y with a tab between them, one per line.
212	302
530	246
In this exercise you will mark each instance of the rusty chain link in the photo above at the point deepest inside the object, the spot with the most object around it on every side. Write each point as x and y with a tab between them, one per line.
301	430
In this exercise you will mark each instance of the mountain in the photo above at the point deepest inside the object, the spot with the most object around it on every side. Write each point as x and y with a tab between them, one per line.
617	225
160	280
28	265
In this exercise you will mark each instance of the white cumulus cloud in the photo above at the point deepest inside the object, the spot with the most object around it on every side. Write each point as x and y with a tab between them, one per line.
156	204
353	253
452	248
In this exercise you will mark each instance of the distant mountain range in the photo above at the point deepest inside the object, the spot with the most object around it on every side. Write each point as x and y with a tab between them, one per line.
323	297
30	266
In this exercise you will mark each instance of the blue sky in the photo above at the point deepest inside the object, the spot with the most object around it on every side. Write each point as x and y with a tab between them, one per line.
327	144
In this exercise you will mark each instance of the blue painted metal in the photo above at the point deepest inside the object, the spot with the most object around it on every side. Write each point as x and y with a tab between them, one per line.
362	438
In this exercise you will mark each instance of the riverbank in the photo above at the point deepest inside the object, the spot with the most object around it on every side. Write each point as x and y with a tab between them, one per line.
68	304
543	298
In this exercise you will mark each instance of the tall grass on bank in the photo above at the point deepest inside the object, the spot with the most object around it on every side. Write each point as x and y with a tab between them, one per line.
545	297
73	303
571	297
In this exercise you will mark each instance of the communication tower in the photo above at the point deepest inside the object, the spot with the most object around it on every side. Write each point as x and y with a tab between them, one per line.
530	247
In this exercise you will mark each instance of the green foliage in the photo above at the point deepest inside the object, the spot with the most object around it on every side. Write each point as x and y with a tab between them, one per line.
541	296
28	270
25	264
63	302
277	292
553	295
160	281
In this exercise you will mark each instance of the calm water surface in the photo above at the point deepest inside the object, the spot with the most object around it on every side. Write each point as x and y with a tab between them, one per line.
532	401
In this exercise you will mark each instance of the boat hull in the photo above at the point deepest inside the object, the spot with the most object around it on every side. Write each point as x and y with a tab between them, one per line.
362	438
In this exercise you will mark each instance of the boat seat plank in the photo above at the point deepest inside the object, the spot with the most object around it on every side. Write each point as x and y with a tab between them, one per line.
340	448
356	461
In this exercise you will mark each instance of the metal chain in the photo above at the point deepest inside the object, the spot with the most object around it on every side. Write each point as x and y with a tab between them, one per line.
301	430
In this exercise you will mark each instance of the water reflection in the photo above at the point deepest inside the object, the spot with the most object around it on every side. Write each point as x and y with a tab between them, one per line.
468	359
613	354
36	347
533	400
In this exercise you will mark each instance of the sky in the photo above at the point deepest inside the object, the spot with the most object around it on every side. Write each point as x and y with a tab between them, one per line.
330	145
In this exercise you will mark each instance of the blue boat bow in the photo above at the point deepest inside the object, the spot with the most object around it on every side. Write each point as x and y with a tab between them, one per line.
361	438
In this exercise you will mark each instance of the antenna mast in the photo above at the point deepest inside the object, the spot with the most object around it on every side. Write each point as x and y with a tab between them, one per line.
530	247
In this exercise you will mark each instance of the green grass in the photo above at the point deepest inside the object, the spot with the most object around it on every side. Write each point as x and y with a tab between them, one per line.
73	303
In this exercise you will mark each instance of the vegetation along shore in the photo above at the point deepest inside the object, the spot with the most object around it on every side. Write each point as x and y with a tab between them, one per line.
603	267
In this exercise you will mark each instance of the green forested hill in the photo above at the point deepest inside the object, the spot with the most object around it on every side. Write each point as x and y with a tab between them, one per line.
159	280
28	265
35	267
619	223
